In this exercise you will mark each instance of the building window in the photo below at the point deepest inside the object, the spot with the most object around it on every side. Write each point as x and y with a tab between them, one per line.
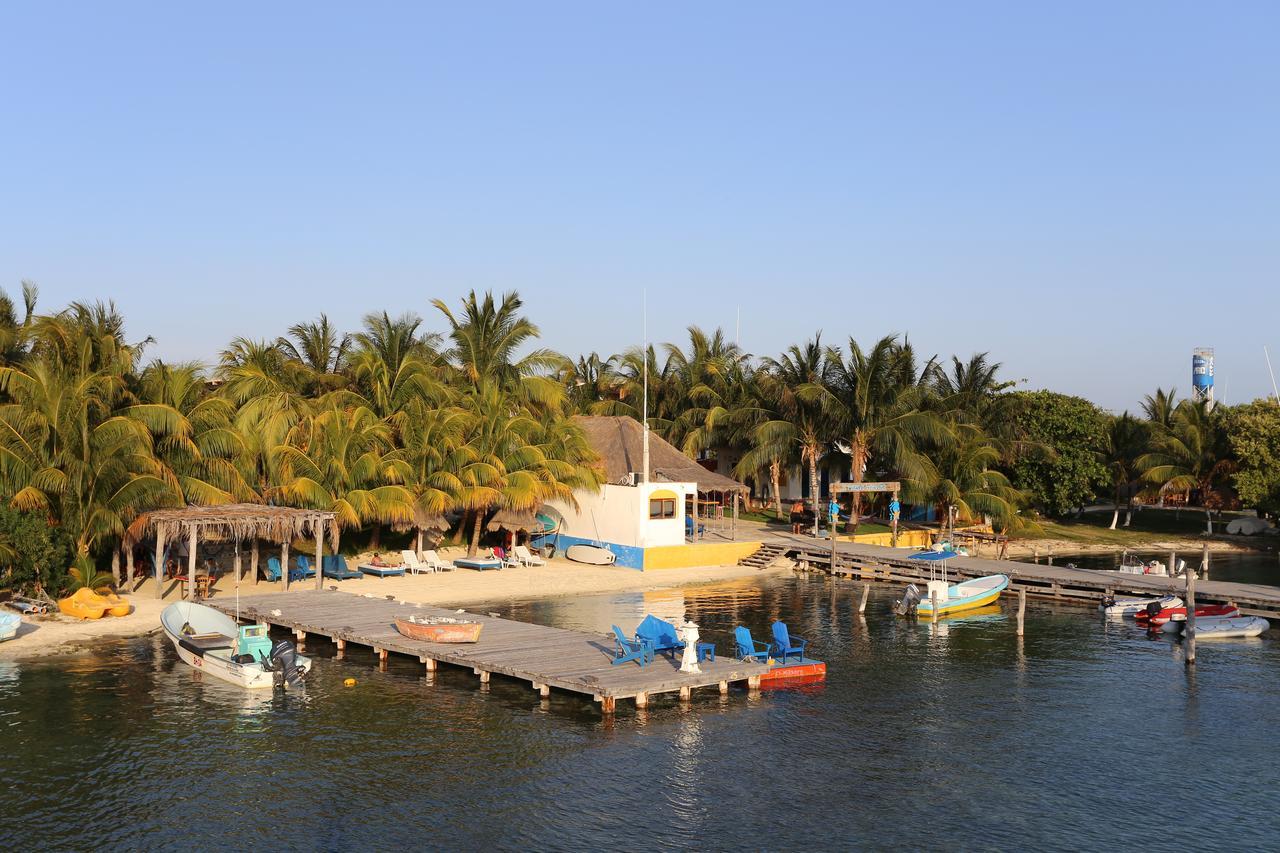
663	508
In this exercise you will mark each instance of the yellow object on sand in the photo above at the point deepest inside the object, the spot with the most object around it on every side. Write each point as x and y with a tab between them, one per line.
117	605
84	604
350	682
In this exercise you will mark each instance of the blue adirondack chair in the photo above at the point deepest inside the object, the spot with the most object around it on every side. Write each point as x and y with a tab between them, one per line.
335	567
272	572
746	648
660	634
784	644
689	530
303	571
628	650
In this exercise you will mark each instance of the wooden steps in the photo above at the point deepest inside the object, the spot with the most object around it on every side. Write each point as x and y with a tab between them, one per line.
764	557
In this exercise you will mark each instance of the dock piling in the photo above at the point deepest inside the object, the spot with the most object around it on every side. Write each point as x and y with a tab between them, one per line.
1191	617
686	693
1173	564
1022	607
933	600
862	605
342	647
1204	563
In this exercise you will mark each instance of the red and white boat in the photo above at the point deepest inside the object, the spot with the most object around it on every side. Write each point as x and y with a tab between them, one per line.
1180	613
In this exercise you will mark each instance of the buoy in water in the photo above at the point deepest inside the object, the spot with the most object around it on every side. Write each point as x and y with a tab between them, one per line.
350	682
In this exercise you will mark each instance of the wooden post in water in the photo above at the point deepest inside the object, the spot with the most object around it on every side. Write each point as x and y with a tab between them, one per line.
1173	564
933	600
832	531
1204	563
1022	608
1035	553
1191	617
1051	555
862	605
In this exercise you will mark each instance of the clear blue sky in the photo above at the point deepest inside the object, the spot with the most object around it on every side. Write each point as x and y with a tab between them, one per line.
1086	190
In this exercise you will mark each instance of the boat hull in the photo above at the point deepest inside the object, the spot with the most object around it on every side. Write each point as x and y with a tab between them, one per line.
989	593
216	662
1178	614
805	671
1222	627
463	632
9	623
591	554
1132	606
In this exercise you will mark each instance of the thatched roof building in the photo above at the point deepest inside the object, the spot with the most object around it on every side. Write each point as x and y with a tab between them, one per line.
620	443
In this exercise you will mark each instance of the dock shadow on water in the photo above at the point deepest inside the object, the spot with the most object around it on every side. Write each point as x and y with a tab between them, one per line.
1048	741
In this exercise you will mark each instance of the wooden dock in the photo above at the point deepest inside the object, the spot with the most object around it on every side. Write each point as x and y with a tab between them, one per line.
545	657
875	562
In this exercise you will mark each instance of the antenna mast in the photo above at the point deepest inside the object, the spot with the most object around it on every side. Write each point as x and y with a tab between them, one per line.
645	355
1274	392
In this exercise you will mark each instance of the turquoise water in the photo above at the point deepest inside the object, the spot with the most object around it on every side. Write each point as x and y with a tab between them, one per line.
956	735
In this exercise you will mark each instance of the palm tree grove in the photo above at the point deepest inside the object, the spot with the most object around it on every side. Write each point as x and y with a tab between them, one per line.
402	420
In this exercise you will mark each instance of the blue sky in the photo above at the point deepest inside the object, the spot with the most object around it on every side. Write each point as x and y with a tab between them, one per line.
1086	190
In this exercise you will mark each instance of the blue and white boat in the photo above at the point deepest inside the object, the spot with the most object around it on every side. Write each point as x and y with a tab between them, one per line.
951	598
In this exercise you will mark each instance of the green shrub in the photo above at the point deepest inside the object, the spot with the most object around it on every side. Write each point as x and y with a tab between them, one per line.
41	553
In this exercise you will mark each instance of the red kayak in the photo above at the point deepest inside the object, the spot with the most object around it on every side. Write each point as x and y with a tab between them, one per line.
1144	618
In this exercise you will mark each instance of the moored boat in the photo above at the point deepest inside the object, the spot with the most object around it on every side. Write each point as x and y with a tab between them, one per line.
1160	617
1113	606
951	598
1220	627
214	643
9	623
439	629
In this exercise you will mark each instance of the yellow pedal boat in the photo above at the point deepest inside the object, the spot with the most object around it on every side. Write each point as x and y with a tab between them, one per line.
84	604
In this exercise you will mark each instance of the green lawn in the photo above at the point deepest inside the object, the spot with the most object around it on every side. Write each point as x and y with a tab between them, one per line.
1147	524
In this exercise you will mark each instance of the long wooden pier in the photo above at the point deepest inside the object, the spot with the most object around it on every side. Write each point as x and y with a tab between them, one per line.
875	562
545	657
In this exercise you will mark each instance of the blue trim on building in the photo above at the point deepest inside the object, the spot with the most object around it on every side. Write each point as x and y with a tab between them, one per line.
628	556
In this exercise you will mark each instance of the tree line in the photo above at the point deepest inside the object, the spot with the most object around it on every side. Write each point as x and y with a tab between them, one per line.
394	425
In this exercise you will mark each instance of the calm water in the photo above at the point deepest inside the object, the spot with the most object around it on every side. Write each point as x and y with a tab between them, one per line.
956	735
1243	567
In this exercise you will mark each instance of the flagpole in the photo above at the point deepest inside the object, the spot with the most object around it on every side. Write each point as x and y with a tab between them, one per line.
645	355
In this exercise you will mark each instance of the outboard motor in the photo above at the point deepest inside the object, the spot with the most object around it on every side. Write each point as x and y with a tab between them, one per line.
1108	601
1153	609
910	598
284	664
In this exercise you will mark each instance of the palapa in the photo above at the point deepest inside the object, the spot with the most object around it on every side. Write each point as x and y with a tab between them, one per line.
619	441
514	520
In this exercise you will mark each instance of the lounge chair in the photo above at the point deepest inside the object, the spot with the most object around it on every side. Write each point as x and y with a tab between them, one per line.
689	528
527	557
335	567
630	650
784	644
660	634
380	571
508	561
432	559
272	571
410	560
303	570
746	648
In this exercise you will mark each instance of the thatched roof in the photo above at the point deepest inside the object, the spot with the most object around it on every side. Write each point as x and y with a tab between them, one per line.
421	521
236	521
619	441
510	519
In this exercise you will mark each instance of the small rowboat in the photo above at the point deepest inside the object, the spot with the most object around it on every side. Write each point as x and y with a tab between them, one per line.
1223	627
968	595
1132	606
9	623
1144	617
439	629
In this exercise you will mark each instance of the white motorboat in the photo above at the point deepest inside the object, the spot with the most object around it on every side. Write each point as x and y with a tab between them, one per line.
1223	627
1154	568
1113	606
241	654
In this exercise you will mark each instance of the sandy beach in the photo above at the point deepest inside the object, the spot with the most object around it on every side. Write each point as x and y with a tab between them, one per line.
58	634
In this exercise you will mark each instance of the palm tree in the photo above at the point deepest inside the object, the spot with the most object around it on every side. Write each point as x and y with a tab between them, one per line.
318	348
13	331
485	341
1160	406
875	398
1126	440
340	460
1192	454
967	483
708	379
394	368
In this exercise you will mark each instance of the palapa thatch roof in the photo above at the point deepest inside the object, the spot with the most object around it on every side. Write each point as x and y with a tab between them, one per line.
511	519
619	441
422	520
234	521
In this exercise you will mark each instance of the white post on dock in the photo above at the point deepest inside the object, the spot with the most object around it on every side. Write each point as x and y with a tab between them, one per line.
1191	617
1022	608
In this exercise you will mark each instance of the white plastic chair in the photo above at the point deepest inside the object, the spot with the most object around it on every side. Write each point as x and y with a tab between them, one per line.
508	562
411	563
524	555
433	561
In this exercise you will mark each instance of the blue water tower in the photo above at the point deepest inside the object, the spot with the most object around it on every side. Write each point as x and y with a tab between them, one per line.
1202	374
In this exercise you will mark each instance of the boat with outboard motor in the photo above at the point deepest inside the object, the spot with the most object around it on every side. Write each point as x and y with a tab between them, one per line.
1112	606
1154	617
215	643
950	598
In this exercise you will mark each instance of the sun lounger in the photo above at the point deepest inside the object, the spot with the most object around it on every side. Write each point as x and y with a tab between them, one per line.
746	648
303	571
527	557
660	634
509	561
410	560
432	559
381	571
784	644
335	567
630	650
